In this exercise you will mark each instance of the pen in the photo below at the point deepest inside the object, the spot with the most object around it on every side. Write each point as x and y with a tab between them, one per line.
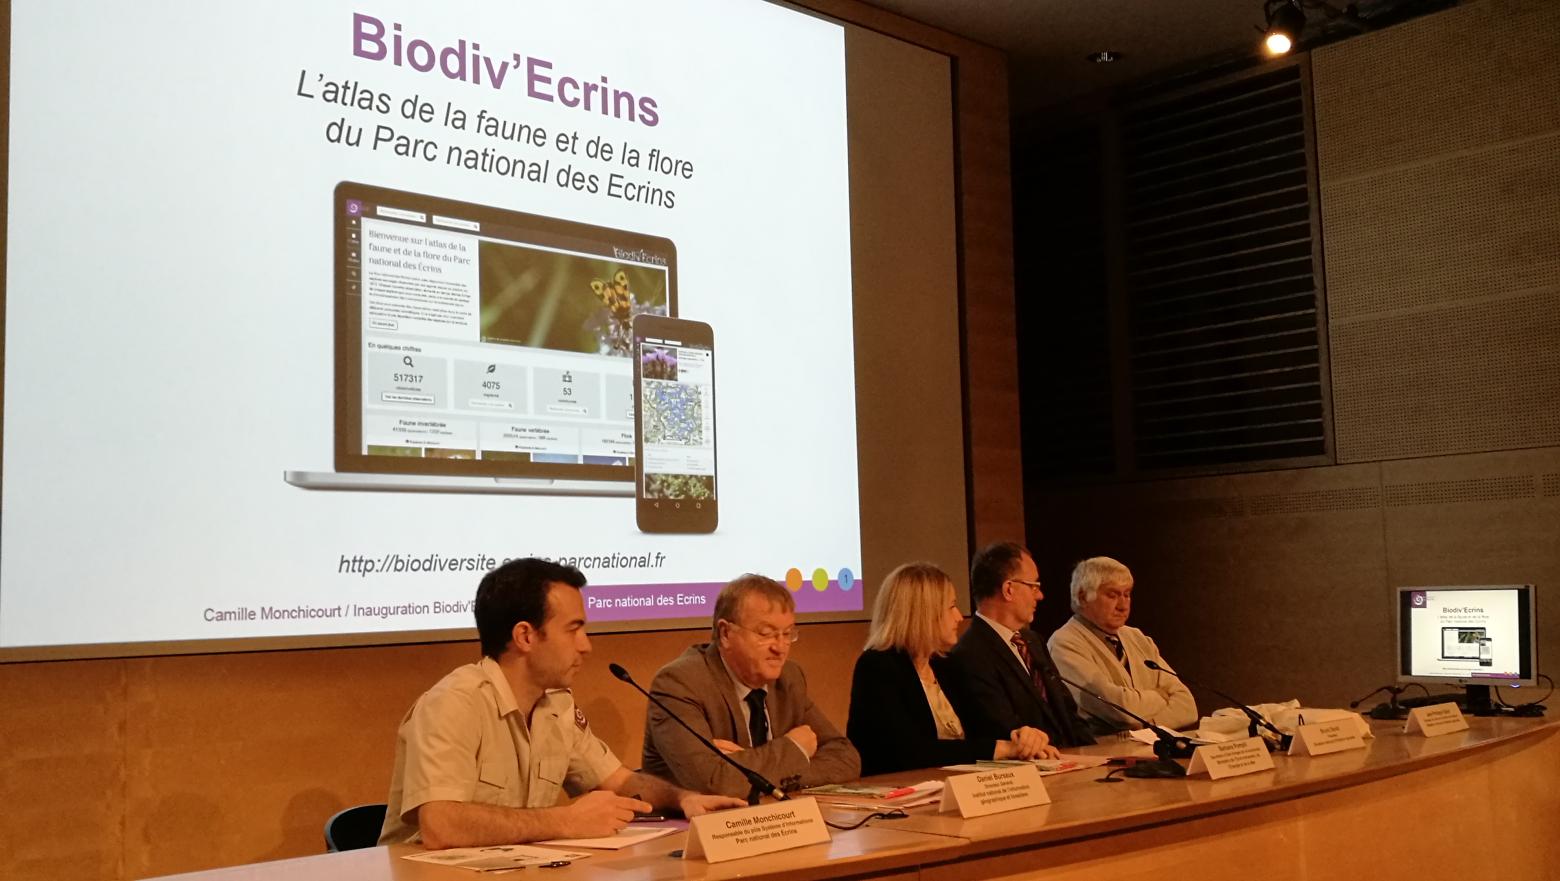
896	793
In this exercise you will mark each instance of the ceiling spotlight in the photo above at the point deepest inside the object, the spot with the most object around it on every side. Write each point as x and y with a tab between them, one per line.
1285	21
1104	56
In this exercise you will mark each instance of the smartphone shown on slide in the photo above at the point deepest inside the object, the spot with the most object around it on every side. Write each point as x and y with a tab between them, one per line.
675	488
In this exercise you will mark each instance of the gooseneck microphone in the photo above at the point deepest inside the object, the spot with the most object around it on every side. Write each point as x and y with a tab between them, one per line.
759	785
1169	745
1255	718
1390	709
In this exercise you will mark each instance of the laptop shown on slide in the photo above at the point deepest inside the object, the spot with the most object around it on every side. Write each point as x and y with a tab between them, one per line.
485	350
1462	643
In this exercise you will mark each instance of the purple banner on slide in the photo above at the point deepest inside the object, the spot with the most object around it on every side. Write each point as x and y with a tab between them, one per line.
624	602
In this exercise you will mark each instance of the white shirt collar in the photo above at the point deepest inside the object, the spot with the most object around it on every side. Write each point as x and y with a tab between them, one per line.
1002	630
742	688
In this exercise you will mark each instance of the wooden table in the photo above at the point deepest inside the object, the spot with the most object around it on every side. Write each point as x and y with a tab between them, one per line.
1484	803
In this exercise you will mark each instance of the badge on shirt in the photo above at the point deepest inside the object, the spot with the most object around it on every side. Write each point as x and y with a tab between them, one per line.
579	718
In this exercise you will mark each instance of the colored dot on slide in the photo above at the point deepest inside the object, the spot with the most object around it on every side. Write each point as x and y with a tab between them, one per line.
793	579
820	579
847	579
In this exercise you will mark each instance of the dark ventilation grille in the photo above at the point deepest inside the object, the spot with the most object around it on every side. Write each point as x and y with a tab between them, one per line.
1062	308
1221	287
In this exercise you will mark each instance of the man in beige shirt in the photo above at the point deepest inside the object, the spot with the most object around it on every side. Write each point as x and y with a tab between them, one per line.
484	754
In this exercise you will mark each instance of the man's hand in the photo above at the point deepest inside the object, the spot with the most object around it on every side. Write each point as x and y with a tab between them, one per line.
1032	743
726	746
804	737
694	804
600	813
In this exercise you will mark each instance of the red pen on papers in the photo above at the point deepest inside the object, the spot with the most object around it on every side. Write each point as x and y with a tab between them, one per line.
901	791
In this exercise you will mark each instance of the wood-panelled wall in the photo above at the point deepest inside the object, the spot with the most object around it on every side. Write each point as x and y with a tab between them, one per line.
1437	146
148	766
129	768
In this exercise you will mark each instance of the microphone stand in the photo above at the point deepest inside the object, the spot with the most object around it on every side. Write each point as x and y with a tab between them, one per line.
1168	746
758	784
1255	718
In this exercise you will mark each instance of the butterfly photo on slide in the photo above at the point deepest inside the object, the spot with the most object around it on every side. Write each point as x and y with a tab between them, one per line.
566	302
615	322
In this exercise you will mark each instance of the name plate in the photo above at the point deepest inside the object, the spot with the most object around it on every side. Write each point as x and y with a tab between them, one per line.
1435	719
994	791
1220	760
1322	738
755	830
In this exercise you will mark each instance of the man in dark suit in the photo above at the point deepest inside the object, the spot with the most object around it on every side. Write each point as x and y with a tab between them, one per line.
741	691
1003	677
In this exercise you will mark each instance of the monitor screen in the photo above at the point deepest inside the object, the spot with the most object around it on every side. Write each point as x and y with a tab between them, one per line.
1467	635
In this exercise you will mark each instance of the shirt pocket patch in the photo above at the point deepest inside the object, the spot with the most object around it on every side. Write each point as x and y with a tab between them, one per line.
494	778
553	768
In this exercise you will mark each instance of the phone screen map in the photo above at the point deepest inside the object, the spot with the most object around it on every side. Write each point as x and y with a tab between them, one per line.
677	417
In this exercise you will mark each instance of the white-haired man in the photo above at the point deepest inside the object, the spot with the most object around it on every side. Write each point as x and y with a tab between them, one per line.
1097	649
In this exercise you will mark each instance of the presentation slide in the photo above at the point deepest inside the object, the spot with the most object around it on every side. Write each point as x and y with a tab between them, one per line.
317	311
1458	633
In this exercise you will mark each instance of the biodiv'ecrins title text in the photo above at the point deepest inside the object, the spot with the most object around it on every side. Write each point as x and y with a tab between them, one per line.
611	166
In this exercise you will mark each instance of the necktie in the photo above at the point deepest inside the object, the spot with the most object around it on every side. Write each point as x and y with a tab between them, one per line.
1029	663
1121	651
758	721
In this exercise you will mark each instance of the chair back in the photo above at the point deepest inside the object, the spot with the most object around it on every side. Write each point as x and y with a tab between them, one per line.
355	827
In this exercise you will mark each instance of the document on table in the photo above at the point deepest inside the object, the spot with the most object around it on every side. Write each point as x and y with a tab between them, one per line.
1145	735
629	837
1047	767
877	798
499	858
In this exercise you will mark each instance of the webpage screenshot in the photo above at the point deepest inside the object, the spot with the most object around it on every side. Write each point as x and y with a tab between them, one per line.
679	420
492	341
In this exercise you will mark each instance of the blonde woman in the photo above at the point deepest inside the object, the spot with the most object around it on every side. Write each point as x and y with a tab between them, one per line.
899	716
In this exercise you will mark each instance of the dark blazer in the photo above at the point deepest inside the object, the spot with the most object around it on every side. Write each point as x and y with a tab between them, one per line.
891	722
993	693
698	689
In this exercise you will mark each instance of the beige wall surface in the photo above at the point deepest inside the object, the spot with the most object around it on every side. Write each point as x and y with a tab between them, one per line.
129	768
1438	149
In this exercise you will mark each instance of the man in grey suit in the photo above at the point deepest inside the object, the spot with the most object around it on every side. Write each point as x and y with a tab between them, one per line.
741	691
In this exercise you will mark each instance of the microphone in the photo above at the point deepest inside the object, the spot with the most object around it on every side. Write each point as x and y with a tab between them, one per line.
1388	709
1356	703
758	783
1169	745
1256	718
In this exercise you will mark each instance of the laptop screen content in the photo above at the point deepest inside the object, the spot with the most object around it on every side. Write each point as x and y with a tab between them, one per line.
477	341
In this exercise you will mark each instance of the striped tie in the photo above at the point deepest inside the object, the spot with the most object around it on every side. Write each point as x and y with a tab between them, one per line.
1029	663
1115	645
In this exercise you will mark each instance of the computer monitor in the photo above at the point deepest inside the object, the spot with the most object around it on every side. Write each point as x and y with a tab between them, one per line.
1473	636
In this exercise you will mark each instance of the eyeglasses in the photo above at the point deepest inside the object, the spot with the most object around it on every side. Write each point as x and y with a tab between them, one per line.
770	637
1032	585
